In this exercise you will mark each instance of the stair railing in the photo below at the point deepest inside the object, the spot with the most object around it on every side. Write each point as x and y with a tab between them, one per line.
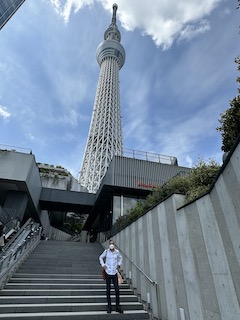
11	230
12	223
18	250
75	238
152	282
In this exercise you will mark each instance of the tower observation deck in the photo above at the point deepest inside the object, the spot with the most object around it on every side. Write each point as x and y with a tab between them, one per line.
105	133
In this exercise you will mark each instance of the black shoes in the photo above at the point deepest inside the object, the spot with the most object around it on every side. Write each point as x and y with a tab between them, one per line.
119	310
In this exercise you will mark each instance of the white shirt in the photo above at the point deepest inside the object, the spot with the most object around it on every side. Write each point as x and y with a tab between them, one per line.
113	259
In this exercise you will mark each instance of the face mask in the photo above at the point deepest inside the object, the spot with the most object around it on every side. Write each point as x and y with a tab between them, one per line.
111	246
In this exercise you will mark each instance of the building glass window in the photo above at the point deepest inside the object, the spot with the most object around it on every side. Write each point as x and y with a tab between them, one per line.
122	205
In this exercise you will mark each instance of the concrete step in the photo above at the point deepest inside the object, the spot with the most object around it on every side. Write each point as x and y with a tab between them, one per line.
52	276
63	307
59	292
58	270
56	286
66	299
72	280
90	315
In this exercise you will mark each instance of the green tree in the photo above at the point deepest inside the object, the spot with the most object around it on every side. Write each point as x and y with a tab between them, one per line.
230	120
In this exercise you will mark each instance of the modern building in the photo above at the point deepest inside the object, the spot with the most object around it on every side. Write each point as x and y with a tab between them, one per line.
105	134
7	10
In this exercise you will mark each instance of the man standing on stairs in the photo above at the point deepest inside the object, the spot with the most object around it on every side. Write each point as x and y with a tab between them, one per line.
111	260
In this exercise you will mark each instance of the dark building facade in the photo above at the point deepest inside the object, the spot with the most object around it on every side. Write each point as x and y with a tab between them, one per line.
7	10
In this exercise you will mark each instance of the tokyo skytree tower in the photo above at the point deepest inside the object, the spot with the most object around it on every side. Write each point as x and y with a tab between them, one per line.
105	133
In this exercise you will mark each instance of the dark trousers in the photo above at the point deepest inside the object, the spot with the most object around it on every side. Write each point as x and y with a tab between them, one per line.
114	280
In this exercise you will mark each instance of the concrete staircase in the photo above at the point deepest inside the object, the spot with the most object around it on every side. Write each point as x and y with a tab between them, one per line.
62	280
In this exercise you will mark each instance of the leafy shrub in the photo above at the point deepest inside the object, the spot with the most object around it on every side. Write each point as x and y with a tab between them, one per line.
200	178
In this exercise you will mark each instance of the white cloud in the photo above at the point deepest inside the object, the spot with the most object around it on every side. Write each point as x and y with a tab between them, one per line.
190	31
65	8
182	140
189	161
165	21
29	136
4	113
71	118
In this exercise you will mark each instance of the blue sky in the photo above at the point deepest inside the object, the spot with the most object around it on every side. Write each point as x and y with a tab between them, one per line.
178	77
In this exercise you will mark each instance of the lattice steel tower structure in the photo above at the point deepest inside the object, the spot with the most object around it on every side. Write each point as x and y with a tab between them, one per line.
105	133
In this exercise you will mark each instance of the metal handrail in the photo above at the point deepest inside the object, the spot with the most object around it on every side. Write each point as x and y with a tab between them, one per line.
13	223
154	283
18	251
139	269
19	231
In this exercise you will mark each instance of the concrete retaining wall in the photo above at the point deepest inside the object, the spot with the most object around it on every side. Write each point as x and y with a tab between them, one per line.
192	252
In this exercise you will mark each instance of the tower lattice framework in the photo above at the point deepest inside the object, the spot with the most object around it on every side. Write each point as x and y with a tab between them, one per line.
105	133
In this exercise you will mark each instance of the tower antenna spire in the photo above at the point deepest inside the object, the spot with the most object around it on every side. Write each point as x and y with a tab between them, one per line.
114	19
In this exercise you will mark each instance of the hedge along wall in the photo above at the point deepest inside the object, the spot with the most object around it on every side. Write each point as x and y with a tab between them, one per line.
192	252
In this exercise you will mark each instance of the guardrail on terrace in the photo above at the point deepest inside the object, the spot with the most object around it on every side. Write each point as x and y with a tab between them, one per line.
14	149
150	156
